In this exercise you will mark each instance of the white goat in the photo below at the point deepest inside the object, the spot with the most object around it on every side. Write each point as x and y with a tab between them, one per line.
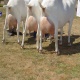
35	10
19	10
60	12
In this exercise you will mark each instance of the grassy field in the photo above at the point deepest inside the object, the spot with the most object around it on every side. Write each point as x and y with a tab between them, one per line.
28	64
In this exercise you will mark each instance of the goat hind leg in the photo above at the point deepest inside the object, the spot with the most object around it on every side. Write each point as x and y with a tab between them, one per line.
69	32
18	25
4	30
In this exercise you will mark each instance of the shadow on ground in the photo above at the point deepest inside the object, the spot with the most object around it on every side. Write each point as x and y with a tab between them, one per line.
30	40
65	49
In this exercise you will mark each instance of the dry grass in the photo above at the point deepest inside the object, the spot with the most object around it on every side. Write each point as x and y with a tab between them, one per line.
28	64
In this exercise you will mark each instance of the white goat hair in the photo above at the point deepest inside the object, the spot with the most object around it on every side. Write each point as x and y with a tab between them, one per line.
19	10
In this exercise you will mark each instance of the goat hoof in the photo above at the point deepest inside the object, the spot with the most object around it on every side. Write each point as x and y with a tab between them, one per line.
19	43
57	53
22	47
69	44
3	41
40	51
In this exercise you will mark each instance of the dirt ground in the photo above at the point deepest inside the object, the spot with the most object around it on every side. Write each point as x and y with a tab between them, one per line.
28	64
